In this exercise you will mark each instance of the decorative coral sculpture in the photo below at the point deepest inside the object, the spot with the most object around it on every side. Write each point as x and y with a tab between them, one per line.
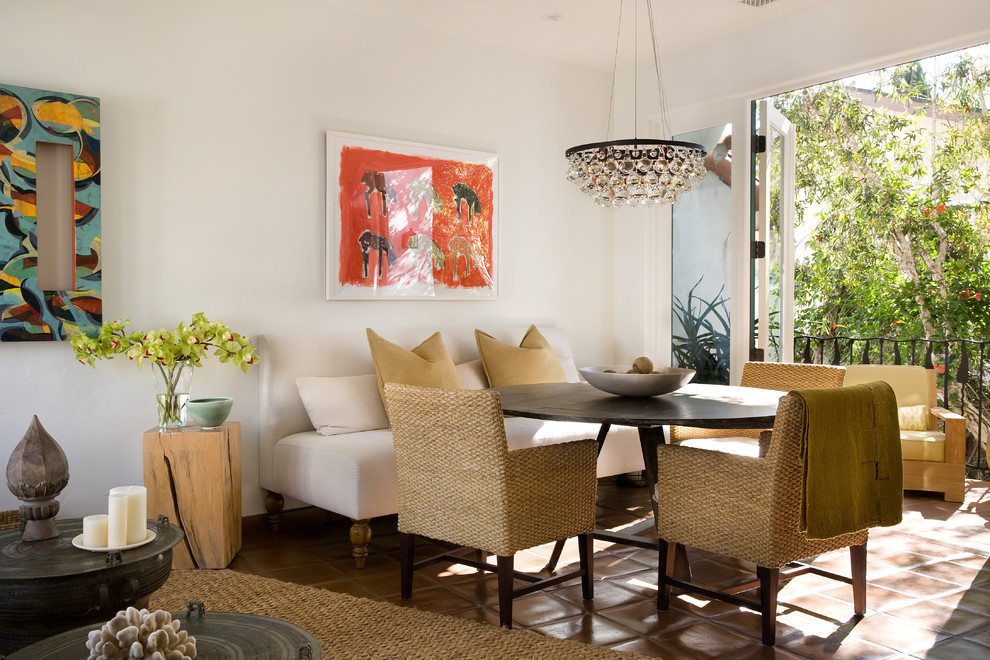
141	634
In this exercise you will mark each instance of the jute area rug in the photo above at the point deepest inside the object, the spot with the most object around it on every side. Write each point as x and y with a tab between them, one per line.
351	627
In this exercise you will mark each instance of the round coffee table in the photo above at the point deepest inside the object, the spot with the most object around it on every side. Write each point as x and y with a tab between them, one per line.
219	635
50	586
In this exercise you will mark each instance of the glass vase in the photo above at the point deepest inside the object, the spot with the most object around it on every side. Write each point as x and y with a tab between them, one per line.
172	385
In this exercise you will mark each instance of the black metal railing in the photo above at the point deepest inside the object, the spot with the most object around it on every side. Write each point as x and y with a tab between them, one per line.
961	366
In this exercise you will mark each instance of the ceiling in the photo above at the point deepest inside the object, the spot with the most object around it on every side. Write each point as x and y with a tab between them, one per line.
583	32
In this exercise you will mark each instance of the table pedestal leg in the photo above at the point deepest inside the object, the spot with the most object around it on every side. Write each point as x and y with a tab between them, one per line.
651	437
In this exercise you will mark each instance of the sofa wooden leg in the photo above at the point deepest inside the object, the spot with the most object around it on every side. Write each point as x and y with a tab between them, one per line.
360	538
274	503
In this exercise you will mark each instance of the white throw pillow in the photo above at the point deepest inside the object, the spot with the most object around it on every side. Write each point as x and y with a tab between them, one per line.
342	404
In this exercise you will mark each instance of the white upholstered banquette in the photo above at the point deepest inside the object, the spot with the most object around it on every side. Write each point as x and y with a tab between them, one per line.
353	474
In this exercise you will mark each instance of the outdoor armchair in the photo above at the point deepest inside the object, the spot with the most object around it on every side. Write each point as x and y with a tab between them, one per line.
933	460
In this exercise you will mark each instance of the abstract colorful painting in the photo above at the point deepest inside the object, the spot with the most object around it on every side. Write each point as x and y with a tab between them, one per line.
29	117
409	220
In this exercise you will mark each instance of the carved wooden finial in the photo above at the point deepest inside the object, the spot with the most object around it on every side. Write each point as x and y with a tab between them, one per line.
36	473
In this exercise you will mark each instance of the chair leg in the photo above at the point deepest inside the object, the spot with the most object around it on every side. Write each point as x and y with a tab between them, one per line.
666	568
407	547
558	548
587	558
505	568
769	583
857	559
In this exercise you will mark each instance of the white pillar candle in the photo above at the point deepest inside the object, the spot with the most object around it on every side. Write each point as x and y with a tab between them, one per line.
137	512
117	520
95	531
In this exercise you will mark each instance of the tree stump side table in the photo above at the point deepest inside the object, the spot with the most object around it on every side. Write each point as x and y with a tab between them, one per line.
193	476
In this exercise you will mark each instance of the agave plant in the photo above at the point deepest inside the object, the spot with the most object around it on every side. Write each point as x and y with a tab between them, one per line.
704	346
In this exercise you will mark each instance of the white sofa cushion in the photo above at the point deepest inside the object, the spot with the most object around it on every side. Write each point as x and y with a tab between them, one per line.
342	404
740	446
351	474
354	474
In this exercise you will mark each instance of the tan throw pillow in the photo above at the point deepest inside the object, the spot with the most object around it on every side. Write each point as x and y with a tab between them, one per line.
427	365
913	418
533	361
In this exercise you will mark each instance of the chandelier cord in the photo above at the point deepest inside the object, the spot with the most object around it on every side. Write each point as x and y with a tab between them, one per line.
636	70
632	172
615	62
664	125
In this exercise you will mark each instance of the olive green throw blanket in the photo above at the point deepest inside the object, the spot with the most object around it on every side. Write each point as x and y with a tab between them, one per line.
851	449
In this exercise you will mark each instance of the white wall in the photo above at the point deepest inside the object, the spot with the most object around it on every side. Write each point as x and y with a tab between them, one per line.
213	155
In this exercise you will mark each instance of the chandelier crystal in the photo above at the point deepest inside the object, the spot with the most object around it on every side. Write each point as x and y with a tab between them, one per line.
631	172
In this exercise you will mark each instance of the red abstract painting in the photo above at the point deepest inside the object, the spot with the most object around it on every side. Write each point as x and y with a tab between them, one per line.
411	220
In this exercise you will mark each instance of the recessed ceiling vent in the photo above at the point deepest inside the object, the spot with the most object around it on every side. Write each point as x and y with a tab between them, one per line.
756	3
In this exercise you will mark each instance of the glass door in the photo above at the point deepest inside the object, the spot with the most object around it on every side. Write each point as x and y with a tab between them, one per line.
773	236
701	229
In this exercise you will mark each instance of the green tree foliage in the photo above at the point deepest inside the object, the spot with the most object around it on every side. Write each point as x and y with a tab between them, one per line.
895	191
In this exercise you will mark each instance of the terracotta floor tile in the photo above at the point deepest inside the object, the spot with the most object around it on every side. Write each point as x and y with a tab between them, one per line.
894	633
608	594
878	598
705	640
435	599
837	645
956	572
942	617
305	573
981	636
915	584
541	608
957	649
588	629
643	617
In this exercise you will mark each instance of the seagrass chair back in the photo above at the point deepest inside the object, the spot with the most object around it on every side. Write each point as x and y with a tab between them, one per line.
459	483
757	520
782	376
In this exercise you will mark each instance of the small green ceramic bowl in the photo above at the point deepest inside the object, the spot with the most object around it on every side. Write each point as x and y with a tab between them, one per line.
209	413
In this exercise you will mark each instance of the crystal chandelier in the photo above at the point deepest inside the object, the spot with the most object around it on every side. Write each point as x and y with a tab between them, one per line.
633	171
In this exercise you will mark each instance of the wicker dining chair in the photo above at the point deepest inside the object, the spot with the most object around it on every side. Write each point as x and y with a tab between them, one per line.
757	519
460	484
782	376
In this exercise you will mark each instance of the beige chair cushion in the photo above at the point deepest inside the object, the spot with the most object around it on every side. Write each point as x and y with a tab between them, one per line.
533	361
427	365
910	384
923	446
